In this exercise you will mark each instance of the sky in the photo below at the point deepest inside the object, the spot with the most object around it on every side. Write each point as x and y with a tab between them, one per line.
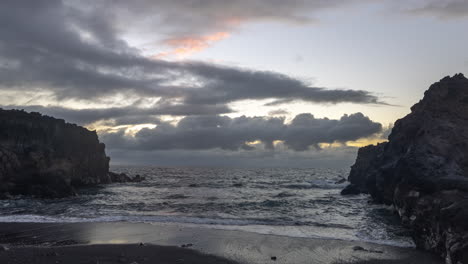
235	83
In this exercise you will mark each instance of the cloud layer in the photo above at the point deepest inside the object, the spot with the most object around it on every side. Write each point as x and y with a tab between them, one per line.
221	132
189	17
82	51
129	115
77	49
78	53
443	9
189	26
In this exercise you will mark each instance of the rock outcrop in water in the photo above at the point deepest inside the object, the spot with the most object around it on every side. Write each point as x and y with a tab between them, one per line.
122	177
47	157
423	170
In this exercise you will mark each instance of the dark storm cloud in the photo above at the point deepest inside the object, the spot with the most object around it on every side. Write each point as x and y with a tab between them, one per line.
305	130
212	132
76	51
123	115
228	85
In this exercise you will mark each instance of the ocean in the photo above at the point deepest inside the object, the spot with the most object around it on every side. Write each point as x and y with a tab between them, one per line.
286	202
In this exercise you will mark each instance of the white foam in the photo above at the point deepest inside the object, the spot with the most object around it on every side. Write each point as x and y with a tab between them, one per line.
137	219
223	224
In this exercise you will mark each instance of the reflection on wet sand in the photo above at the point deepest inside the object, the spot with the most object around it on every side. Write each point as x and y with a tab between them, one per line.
243	247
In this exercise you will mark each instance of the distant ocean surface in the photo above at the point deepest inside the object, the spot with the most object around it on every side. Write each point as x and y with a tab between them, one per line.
290	202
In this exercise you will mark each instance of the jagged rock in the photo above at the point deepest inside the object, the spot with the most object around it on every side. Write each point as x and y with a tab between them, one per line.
351	189
47	157
340	181
122	177
423	170
363	171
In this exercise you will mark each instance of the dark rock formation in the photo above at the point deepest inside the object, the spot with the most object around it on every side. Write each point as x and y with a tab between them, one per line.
122	177
352	189
423	170
47	157
363	170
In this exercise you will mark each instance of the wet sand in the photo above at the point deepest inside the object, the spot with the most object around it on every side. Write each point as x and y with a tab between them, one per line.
107	254
170	243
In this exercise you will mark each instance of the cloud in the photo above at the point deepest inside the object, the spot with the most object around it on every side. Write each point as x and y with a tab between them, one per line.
129	115
442	9
280	112
80	50
185	46
305	130
195	25
227	85
243	133
179	19
386	131
188	17
77	53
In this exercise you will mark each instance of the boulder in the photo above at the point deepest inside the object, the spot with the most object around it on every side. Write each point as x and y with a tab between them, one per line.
423	170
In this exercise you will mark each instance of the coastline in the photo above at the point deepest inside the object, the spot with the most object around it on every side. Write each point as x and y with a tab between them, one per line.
110	239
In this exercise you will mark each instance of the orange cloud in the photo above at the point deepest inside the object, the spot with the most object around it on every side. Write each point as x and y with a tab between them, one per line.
186	46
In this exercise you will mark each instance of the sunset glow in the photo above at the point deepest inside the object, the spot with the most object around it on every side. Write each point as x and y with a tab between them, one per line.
185	46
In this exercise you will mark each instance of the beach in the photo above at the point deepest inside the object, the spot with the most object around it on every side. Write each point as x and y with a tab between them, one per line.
121	242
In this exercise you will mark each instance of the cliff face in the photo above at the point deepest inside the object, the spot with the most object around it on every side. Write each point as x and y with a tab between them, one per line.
362	172
423	170
46	157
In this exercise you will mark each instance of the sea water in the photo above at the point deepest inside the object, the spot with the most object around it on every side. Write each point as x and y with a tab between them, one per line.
288	202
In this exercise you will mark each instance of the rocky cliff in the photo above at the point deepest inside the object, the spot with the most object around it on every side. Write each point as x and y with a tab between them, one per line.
47	157
423	170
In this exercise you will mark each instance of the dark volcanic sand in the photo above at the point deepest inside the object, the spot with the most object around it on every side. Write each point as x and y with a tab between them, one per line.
118	242
107	254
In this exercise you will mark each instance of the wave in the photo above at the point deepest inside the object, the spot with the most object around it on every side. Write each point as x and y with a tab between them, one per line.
317	230
131	219
295	203
315	185
28	218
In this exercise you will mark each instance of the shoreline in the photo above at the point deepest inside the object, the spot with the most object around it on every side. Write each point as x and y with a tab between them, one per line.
214	244
289	231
